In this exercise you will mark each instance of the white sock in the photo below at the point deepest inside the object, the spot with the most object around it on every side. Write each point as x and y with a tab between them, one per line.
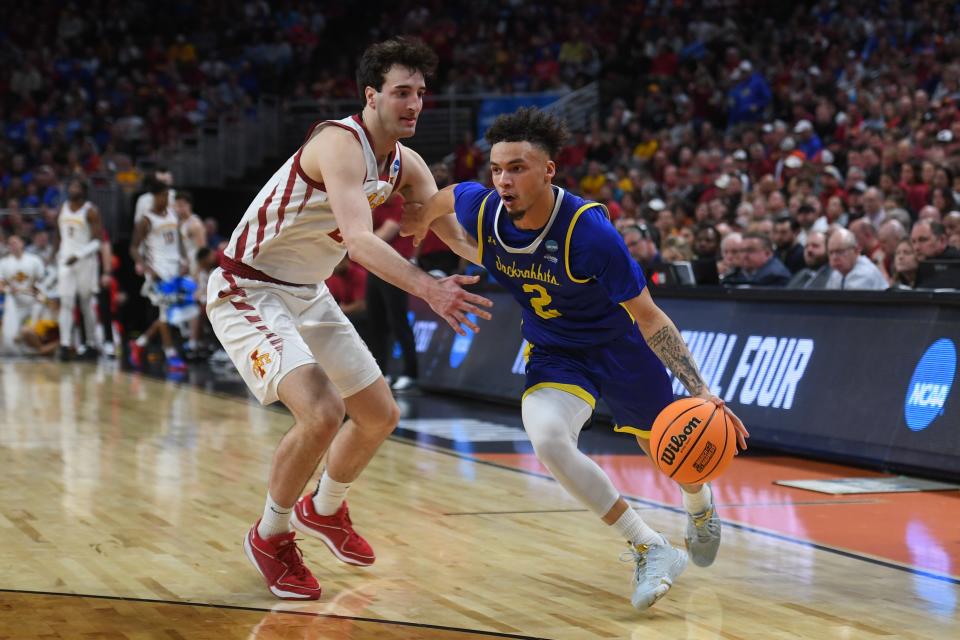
170	352
632	527
697	503
329	495
275	520
142	340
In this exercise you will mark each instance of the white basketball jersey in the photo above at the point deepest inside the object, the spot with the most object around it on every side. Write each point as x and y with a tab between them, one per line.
162	251
288	232
21	274
74	230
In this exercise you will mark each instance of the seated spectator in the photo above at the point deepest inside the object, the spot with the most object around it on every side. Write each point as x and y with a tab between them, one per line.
890	234
730	255
850	269
817	268
868	242
676	249
929	240
643	248
789	251
760	267
905	265
706	245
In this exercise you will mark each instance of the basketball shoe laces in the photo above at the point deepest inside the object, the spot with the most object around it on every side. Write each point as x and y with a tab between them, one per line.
289	554
706	527
638	555
342	518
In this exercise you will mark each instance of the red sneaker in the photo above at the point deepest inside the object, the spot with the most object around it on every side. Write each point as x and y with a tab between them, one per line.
335	530
280	562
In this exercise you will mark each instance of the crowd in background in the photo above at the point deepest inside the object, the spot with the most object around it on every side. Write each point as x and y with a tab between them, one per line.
810	145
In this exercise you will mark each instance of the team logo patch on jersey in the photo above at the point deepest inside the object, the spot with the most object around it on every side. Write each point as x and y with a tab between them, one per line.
20	276
552	247
259	360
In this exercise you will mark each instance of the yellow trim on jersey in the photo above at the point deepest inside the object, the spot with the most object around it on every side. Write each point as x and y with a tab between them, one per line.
480	229
527	350
637	432
572	389
566	246
632	319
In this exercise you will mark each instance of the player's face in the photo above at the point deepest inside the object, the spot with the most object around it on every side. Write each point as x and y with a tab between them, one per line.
399	102
15	245
160	200
522	174
74	192
182	207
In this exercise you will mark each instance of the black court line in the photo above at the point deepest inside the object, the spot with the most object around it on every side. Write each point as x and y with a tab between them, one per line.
505	513
234	607
736	525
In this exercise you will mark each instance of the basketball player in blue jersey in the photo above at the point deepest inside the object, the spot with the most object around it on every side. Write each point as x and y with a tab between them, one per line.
593	329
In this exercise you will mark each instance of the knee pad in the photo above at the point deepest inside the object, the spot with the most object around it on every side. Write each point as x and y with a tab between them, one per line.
553	418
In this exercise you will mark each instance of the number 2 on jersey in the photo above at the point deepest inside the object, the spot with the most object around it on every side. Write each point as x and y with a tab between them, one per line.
540	302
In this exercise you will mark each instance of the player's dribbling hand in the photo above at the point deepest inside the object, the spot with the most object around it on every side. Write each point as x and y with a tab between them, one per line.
742	433
452	303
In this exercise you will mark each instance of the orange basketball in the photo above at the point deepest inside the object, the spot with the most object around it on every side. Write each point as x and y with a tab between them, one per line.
692	440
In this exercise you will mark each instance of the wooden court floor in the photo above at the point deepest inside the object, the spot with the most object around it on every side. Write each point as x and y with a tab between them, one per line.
124	501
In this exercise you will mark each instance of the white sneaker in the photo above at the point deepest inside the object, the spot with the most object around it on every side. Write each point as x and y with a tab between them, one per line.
404	383
657	566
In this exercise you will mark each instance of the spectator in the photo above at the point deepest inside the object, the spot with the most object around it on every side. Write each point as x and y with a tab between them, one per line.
929	213
891	233
868	242
807	217
905	265
731	252
817	270
951	223
643	248
850	269
760	267
348	286
594	179
706	246
873	206
467	158
789	251
929	240
676	249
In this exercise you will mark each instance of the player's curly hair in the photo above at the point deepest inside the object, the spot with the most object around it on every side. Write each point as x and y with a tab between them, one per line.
380	57
529	124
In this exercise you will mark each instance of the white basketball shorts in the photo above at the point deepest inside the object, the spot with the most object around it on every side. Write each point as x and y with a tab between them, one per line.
79	278
268	330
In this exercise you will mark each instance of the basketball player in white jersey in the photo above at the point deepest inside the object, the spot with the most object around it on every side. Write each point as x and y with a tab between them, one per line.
157	252
20	275
193	234
288	337
80	234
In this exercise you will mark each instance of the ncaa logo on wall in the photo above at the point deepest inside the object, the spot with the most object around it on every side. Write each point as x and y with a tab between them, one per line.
461	344
930	385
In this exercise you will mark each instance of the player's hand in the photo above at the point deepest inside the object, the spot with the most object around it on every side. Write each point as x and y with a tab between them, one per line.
452	303
412	224
742	433
139	268
70	261
105	281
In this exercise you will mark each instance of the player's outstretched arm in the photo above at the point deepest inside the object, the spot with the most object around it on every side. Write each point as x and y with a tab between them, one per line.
340	162
665	341
437	215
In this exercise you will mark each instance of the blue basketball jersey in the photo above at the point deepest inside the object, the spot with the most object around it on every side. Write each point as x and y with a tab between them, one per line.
569	277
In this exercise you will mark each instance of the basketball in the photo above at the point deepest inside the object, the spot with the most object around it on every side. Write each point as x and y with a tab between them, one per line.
692	440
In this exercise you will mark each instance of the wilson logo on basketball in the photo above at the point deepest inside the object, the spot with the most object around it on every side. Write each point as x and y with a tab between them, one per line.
260	360
676	442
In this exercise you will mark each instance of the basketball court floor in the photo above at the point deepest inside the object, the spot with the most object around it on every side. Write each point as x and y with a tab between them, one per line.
125	499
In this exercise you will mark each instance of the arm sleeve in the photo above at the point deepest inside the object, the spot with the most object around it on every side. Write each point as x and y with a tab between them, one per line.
89	249
597	251
468	196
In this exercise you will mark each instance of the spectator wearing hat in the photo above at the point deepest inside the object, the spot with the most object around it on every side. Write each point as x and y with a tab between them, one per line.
807	139
749	96
850	269
788	250
831	181
760	267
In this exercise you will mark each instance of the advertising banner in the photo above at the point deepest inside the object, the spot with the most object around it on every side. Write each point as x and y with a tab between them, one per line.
859	381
